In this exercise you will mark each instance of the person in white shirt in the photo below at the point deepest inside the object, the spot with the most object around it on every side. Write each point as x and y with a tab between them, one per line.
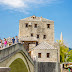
0	43
16	39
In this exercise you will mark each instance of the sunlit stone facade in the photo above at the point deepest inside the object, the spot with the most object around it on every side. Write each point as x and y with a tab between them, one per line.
39	27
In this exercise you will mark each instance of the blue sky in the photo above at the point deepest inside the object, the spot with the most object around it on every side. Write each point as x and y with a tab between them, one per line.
60	11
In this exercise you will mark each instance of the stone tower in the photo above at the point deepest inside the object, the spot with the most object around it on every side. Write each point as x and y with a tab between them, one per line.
38	27
61	38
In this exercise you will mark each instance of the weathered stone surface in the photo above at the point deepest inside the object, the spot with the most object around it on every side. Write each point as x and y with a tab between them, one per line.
9	54
40	30
47	67
4	69
52	58
45	48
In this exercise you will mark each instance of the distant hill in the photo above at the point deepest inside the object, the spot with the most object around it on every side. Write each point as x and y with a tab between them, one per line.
70	48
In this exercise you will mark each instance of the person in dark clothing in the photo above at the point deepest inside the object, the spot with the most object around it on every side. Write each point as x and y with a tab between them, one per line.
13	40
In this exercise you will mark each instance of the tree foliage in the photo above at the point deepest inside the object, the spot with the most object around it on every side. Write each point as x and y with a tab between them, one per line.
69	56
64	51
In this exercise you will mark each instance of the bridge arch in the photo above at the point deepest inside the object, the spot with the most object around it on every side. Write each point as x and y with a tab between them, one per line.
18	66
18	56
10	54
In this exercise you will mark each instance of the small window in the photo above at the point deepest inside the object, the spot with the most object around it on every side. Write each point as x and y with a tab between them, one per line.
39	55
26	25
36	43
48	55
35	26
33	17
44	37
48	25
31	34
37	36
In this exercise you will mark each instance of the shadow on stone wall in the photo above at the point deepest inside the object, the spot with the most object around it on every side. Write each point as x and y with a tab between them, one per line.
48	67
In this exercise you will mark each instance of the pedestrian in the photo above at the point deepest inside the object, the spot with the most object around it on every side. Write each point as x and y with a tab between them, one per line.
0	43
13	40
5	43
16	39
3	40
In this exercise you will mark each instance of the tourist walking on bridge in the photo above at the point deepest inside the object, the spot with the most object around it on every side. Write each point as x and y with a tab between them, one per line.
16	39
13	40
5	43
3	40
0	43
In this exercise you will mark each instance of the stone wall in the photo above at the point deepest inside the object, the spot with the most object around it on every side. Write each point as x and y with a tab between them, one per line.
29	45
53	55
56	45
4	69
40	30
48	67
9	54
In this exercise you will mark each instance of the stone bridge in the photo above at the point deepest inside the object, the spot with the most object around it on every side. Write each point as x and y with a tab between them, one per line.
17	58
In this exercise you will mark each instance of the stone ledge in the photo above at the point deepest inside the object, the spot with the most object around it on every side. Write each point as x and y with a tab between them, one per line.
4	69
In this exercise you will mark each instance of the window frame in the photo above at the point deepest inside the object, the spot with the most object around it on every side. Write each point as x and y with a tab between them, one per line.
35	25
37	36
31	34
48	26
44	36
26	25
48	55
39	55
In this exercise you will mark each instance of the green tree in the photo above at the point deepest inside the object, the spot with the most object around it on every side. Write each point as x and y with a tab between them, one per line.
69	56
63	51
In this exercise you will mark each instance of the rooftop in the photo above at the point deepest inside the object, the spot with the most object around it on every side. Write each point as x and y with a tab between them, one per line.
43	45
34	18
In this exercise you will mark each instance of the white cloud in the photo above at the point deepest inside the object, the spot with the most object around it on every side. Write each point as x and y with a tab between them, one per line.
23	4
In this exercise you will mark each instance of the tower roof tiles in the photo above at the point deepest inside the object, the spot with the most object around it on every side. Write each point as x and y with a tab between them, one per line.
44	45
